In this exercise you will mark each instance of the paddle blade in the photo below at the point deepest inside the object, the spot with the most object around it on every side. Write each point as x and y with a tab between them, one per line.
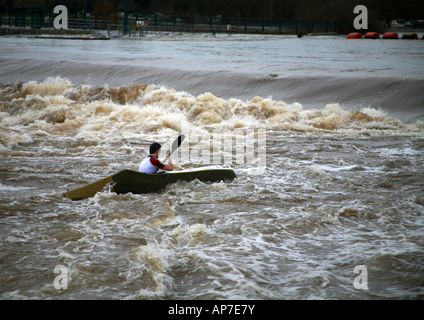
177	142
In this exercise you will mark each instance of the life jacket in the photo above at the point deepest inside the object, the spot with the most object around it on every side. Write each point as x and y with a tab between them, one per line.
150	164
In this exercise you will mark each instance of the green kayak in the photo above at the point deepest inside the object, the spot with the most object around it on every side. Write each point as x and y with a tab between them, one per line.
136	182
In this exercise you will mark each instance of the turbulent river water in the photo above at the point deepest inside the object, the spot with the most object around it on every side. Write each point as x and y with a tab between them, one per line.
334	178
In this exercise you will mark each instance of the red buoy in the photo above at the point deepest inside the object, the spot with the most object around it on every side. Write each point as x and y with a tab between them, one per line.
372	35
390	35
354	35
410	35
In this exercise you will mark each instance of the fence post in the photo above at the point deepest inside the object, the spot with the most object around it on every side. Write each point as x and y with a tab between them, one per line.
126	16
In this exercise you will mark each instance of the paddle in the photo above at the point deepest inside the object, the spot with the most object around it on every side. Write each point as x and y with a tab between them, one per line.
177	142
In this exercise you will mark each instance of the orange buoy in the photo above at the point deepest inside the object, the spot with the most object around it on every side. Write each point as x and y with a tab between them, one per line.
354	35
410	35
372	35
390	35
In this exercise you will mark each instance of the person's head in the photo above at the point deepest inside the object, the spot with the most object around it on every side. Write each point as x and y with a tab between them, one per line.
154	147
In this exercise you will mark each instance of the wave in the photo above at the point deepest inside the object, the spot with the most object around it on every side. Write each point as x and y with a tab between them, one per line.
58	117
57	106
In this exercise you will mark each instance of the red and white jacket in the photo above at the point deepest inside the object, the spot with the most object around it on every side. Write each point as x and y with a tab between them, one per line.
150	164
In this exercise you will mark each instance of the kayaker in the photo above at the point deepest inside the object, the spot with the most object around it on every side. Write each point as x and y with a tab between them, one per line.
151	164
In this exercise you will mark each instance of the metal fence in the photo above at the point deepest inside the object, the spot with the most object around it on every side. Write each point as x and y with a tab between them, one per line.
137	24
239	25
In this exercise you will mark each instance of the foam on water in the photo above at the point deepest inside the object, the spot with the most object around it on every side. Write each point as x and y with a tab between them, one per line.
93	116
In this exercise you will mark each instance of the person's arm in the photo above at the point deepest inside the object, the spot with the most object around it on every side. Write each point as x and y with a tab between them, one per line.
169	166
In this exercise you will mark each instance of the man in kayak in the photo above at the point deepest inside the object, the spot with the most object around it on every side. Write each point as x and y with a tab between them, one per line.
151	164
